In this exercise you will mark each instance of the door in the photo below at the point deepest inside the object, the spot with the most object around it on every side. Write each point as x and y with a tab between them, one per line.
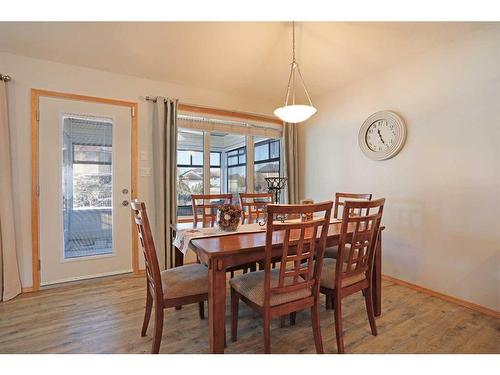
85	183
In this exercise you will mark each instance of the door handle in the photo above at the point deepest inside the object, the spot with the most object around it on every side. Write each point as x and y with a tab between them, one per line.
125	203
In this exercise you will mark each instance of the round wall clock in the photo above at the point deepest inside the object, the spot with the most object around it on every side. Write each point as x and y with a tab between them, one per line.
382	135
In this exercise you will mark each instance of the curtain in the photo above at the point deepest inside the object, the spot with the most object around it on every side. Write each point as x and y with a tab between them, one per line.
290	162
10	283
164	176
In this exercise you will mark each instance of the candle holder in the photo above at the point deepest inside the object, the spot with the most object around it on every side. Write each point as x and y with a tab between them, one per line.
275	185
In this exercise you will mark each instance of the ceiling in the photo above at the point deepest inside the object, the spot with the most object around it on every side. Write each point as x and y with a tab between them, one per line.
243	58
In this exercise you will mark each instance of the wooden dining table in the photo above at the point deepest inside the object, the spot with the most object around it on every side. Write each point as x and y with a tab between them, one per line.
229	250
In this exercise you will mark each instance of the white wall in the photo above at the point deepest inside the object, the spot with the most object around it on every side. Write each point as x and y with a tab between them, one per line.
30	73
442	209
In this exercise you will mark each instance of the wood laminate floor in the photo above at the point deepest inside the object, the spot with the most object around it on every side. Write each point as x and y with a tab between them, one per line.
105	316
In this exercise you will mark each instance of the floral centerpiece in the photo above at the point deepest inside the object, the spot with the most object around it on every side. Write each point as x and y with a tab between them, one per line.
228	217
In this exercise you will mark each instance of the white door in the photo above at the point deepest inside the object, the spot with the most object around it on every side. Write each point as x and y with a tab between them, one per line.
85	181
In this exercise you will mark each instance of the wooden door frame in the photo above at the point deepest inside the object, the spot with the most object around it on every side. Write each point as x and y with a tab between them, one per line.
35	189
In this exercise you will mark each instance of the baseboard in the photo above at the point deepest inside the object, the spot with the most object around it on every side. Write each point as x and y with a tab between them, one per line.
458	301
28	289
140	272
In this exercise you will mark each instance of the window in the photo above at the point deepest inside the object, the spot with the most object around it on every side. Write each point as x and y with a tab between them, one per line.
87	187
91	176
212	157
215	169
266	162
189	169
236	170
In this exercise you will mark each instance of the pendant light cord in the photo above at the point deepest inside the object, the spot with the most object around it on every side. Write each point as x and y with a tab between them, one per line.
292	78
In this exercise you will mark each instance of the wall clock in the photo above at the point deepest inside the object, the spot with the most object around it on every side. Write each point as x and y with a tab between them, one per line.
382	135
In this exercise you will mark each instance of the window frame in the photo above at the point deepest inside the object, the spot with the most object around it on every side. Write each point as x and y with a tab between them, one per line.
269	159
228	167
218	167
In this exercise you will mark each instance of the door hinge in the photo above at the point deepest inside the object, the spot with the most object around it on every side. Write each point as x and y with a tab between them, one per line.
133	111
38	114
39	265
38	190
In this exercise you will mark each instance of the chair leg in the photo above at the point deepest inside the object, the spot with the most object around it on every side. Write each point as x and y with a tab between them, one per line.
293	318
267	333
235	301
316	326
201	306
253	267
369	310
328	302
282	321
232	274
158	329
147	312
337	309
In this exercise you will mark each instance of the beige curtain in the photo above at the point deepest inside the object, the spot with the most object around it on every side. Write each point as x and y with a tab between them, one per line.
290	162
164	175
10	284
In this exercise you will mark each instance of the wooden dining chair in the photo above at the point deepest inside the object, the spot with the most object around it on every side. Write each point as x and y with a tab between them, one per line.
169	288
205	206
338	209
253	204
293	286
341	279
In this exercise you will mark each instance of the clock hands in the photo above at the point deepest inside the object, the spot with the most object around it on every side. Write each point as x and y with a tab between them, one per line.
380	135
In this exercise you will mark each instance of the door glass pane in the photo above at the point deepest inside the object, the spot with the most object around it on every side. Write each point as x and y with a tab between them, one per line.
87	187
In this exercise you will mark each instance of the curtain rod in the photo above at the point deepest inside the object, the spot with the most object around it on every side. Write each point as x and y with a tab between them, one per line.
221	112
5	77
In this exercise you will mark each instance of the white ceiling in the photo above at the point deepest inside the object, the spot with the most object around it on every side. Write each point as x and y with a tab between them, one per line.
244	58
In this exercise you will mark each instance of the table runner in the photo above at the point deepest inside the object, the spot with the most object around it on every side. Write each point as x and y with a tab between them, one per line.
184	237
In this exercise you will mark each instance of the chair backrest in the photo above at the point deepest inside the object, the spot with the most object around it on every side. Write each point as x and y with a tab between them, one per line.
340	199
358	250
254	203
148	248
206	206
300	246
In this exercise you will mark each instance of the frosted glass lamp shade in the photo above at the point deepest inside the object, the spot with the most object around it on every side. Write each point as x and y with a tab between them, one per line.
295	113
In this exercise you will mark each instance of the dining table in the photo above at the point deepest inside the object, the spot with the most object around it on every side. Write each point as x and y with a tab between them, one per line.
221	252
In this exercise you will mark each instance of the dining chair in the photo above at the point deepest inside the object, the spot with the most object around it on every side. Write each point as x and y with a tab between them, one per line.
341	279
293	286
206	206
253	204
169	288
338	207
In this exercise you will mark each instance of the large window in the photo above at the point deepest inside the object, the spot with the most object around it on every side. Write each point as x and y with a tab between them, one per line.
214	157
266	162
236	170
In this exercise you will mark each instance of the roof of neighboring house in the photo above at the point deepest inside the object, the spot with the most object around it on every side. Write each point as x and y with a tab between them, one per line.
192	175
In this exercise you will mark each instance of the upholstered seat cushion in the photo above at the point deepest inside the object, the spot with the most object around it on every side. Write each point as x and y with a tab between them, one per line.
188	280
328	275
251	286
331	252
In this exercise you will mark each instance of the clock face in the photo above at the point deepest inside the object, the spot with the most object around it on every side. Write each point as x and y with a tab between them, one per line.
380	135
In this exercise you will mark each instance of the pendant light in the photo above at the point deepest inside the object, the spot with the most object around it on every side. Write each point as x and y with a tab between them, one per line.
295	113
